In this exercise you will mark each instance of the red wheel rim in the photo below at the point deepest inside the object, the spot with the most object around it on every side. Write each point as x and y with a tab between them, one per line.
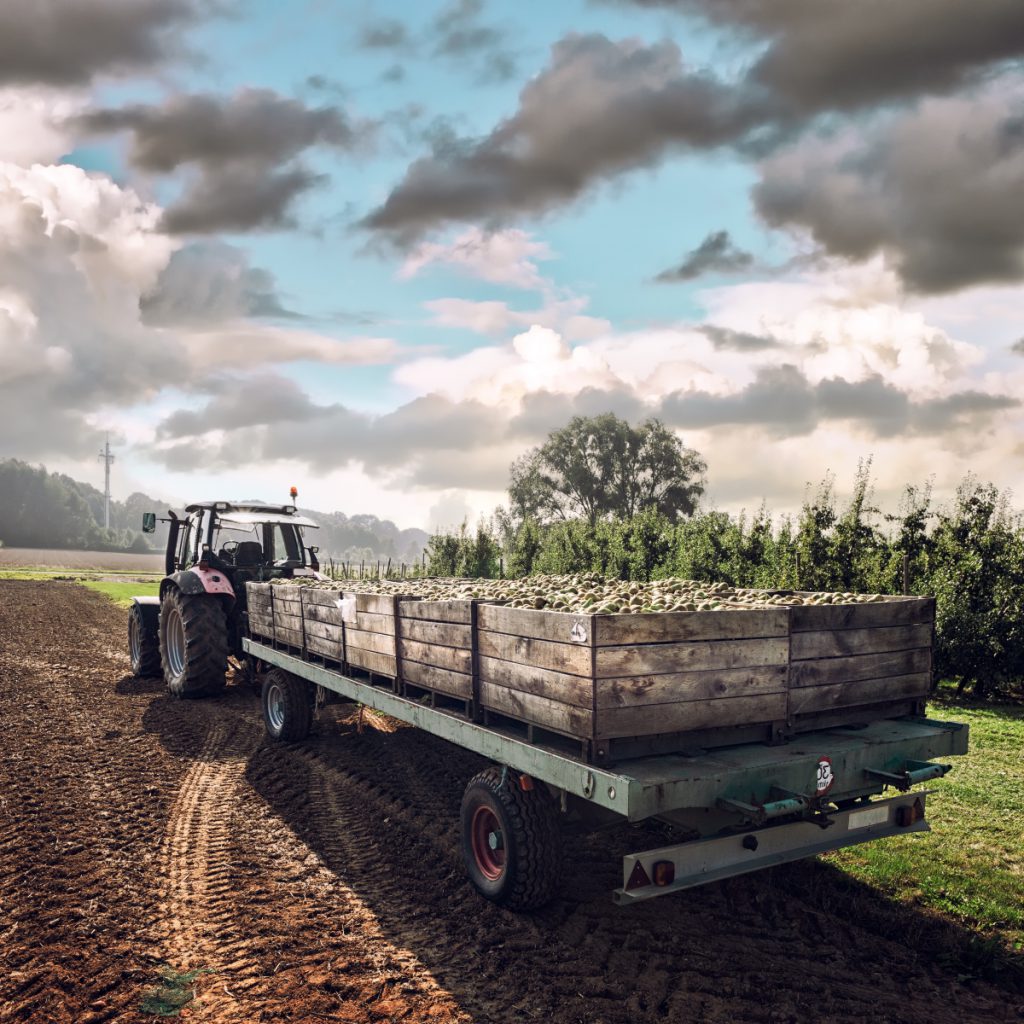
488	843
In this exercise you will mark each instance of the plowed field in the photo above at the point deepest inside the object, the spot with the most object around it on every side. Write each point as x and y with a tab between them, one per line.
322	881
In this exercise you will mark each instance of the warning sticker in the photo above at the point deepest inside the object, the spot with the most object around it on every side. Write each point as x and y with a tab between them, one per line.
347	605
825	775
578	635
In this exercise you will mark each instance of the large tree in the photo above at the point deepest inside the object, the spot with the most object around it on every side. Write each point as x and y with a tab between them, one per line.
599	467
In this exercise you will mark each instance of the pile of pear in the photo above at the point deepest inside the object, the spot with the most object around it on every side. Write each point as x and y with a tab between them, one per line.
589	593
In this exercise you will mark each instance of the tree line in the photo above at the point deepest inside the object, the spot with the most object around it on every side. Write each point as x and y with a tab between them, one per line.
969	553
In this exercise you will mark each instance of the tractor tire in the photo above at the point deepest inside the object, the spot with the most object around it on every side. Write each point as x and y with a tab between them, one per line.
287	706
193	644
143	645
510	840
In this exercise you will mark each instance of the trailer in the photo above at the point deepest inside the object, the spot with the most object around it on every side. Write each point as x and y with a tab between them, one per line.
793	759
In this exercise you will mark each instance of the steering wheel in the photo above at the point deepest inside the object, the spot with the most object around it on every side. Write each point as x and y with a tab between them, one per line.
229	547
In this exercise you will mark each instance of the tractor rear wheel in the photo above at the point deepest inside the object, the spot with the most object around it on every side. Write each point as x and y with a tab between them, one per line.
143	645
193	644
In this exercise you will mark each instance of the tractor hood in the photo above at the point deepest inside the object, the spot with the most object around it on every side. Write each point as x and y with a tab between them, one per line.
256	518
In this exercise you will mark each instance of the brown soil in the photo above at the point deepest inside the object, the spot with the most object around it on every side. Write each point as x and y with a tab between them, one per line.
322	881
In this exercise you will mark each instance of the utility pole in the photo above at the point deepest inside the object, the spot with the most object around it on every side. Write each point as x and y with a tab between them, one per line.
107	456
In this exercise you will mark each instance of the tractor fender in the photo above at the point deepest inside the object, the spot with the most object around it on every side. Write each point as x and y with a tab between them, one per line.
149	607
200	581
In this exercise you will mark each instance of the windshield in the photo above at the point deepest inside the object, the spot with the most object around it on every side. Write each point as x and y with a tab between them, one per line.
276	543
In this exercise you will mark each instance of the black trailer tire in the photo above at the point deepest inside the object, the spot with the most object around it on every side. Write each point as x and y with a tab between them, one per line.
193	644
143	644
287	706
510	840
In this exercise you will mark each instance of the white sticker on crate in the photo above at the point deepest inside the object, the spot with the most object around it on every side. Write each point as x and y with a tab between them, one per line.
578	635
869	816
348	608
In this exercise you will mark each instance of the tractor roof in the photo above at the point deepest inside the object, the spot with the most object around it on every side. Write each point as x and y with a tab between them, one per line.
250	512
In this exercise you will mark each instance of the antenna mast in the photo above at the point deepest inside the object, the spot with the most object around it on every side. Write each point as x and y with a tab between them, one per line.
107	456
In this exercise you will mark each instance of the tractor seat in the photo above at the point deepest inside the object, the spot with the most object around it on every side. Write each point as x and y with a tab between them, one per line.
249	552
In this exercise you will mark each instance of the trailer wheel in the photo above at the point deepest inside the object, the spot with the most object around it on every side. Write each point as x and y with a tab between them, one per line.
287	706
510	840
193	644
143	644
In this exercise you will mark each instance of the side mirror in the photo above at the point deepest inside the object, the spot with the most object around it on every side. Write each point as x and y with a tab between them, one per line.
149	522
313	549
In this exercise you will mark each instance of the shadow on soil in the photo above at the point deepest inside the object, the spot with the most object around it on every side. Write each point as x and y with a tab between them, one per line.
795	929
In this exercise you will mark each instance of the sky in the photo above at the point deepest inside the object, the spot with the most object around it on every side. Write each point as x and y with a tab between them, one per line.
379	250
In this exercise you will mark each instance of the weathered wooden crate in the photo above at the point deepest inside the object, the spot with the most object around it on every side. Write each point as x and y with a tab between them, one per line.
856	662
609	678
436	646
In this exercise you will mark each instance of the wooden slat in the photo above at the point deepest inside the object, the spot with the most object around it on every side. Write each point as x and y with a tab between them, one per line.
458	659
436	611
323	613
809	699
837	643
375	623
330	598
444	633
324	647
455	684
382	604
855	714
650	719
679	687
528	707
524	650
286	620
383	664
895	612
544	625
287	597
323	629
664	627
701	655
287	636
380	643
554	685
859	666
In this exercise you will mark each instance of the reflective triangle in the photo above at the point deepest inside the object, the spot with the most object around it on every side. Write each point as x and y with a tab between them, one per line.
638	877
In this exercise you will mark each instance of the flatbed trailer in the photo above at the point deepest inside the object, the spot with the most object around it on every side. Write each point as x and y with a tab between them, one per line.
738	808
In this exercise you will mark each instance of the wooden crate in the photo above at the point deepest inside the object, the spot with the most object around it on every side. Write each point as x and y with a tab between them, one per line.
436	646
853	663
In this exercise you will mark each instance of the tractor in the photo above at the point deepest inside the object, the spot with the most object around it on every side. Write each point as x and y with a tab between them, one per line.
189	632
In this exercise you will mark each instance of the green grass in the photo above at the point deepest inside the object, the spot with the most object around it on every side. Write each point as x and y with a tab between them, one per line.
970	867
33	572
174	992
122	593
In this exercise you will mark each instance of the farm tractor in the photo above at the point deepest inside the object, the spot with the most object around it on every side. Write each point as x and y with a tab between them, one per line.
190	631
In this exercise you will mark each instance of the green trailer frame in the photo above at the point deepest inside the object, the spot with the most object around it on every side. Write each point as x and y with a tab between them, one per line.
774	803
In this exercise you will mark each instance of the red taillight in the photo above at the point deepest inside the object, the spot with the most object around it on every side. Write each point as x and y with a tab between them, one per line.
664	872
204	566
909	813
525	783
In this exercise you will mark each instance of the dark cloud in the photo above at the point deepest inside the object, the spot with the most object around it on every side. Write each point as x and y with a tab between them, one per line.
937	189
209	283
598	109
724	339
544	411
1018	347
716	254
385	34
786	404
68	42
245	149
839	55
460	35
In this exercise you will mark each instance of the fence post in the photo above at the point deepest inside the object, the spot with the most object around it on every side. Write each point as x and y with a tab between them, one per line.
798	570
906	573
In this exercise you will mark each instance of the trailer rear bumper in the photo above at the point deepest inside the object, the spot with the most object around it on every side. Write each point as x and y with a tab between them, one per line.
671	868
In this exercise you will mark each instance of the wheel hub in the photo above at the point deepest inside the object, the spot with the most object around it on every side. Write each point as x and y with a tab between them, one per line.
275	706
488	843
175	636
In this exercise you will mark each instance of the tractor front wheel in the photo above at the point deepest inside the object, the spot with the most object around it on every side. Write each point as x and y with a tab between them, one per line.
143	644
193	644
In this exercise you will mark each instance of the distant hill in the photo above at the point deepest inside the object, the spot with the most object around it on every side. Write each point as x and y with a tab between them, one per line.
39	509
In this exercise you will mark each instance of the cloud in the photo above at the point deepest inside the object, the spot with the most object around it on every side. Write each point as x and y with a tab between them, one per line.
385	34
496	318
820	55
502	257
599	108
738	341
460	35
1018	347
716	254
207	283
69	42
245	149
936	189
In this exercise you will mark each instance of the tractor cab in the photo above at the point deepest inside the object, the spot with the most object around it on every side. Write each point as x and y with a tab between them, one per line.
197	623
